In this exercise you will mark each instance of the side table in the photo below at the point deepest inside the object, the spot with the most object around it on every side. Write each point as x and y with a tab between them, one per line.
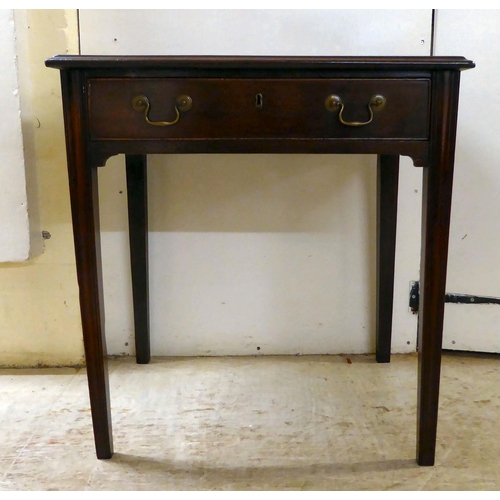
389	106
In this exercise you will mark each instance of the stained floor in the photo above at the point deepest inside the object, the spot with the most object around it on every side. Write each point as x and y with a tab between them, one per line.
252	423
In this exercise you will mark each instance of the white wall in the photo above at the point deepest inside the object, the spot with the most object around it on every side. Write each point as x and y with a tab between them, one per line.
475	223
261	208
269	251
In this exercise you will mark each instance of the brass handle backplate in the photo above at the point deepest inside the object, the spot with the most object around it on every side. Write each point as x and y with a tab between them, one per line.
334	102
141	104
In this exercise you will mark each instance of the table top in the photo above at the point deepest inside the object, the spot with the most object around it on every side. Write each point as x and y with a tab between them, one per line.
261	62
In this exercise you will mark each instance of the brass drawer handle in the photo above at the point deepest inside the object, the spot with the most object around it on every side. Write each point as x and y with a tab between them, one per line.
141	104
333	102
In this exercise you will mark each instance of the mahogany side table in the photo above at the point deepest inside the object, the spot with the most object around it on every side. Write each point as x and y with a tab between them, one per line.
389	106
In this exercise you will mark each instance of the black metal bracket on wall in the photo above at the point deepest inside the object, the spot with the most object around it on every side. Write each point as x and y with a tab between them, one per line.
454	298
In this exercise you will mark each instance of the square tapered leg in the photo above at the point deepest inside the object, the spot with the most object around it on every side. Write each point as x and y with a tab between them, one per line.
137	193
387	209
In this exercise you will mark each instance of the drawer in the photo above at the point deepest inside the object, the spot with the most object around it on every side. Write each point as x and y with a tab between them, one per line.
265	108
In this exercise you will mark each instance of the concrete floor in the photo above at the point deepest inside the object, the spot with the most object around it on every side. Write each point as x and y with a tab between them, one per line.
252	423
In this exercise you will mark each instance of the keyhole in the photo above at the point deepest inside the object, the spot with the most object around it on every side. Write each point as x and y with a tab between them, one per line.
259	100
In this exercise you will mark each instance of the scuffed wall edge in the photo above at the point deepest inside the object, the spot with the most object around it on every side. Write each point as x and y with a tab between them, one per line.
29	122
26	96
14	221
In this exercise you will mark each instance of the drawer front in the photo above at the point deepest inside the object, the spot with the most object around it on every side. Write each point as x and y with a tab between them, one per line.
258	108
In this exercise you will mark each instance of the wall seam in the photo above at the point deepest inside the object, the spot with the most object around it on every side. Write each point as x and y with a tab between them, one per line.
78	28
433	30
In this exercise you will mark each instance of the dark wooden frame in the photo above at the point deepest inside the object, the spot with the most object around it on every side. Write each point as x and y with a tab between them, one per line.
434	153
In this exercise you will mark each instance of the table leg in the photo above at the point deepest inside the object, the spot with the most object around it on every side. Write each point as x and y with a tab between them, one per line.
85	214
88	260
436	207
136	166
387	209
436	215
